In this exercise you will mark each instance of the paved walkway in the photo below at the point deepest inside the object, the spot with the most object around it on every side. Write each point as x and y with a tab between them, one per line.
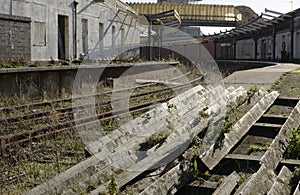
262	77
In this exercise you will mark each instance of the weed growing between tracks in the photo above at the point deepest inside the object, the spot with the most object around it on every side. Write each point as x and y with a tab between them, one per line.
289	86
24	167
237	111
293	149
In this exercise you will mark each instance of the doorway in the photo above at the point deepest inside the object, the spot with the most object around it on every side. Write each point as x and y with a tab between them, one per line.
63	37
263	50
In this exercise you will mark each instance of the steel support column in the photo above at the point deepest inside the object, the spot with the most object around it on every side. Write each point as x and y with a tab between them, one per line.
292	29
149	50
234	48
255	47
215	49
274	44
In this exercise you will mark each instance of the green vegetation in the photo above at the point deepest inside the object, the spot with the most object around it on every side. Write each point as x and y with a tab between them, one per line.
197	173
227	125
255	148
171	106
295	178
39	160
157	138
241	180
288	85
251	92
293	149
112	188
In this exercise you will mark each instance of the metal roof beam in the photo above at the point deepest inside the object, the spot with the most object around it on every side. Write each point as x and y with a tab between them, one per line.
278	13
274	17
239	31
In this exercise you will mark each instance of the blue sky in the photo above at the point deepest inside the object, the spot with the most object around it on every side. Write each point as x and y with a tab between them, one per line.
258	6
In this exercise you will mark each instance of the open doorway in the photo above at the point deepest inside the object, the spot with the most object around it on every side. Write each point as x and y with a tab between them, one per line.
63	37
263	50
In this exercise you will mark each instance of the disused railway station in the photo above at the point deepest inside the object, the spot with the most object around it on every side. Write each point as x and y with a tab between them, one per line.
108	97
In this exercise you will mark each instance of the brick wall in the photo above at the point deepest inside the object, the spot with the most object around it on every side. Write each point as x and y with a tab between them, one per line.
15	38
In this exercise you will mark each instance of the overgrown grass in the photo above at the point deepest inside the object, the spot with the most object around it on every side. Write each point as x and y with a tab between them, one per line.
293	149
288	85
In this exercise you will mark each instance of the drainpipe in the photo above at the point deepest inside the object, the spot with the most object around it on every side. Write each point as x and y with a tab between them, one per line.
292	39
149	52
75	3
234	48
215	49
255	48
11	7
274	44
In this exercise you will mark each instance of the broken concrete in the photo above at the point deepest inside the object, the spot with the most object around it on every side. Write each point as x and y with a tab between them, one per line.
212	157
228	184
297	190
116	147
259	183
281	186
274	154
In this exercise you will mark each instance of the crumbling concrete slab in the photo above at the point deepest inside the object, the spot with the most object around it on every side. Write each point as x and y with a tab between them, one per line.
175	146
124	139
181	137
275	152
212	157
281	186
273	156
259	183
162	184
228	184
297	190
165	183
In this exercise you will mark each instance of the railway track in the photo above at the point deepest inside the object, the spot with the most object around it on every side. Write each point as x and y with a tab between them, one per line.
43	134
252	151
64	116
249	154
123	139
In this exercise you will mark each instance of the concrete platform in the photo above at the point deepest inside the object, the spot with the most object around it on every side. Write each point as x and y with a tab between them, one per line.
262	77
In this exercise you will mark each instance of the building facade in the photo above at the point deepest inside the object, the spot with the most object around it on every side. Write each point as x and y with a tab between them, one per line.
69	29
275	40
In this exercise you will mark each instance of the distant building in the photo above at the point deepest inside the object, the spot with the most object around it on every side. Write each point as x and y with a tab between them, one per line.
106	24
192	30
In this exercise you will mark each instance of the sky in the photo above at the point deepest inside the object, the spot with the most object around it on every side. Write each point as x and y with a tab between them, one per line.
282	6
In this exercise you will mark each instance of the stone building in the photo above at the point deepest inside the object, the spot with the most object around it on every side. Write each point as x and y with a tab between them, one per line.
66	29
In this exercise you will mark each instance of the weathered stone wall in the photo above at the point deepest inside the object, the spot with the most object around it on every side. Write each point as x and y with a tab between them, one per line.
15	37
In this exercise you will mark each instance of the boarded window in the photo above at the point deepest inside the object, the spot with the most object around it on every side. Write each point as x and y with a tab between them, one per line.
39	33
